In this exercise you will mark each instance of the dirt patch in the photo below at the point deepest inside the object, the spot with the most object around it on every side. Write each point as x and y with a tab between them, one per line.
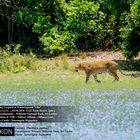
106	55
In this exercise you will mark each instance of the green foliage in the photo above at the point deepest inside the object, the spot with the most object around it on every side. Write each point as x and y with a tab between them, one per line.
109	34
114	20
57	26
81	18
131	32
13	61
84	20
43	24
58	42
115	7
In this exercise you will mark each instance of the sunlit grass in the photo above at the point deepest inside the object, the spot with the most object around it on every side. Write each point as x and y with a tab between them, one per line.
58	73
106	109
66	79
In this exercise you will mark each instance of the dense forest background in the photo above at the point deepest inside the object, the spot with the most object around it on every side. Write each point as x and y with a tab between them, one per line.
57	26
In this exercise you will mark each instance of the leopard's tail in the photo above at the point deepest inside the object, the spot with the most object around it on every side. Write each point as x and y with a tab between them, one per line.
127	74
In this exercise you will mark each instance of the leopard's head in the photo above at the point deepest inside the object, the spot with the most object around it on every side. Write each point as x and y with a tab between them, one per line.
78	67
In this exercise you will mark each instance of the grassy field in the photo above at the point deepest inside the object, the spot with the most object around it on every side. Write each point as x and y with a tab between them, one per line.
107	110
66	79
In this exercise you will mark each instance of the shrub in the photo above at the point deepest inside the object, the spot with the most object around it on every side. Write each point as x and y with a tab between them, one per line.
58	42
13	61
81	18
131	33
17	63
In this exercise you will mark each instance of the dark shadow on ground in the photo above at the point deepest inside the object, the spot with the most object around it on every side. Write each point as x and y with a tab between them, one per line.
129	65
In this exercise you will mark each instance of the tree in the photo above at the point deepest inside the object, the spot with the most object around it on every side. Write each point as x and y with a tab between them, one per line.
131	32
81	22
6	20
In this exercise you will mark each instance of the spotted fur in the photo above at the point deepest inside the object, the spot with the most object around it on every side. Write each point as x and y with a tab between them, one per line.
98	67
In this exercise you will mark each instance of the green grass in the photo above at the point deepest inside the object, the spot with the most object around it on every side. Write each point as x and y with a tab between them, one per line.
65	79
109	110
56	73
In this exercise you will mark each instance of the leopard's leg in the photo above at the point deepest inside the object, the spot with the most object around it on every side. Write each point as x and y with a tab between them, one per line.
95	78
114	74
88	73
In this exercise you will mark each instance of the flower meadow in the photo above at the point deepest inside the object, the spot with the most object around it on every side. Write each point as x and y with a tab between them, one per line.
102	114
